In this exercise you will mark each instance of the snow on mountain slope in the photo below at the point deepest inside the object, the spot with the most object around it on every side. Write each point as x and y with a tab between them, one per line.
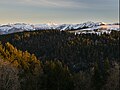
19	27
23	26
98	29
79	26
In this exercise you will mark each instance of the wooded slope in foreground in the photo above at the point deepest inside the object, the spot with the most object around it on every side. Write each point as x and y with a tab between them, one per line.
54	60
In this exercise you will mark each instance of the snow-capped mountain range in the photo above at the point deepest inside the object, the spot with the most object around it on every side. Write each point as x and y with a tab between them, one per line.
89	26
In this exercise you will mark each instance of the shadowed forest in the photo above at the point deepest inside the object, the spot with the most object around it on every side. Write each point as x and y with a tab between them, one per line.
59	60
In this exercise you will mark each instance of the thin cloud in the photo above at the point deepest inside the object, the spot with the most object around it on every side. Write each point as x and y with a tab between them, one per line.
62	3
48	3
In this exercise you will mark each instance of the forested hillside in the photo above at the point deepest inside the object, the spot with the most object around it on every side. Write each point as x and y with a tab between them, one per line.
77	51
55	60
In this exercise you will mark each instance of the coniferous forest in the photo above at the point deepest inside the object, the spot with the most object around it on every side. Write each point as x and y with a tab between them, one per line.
59	60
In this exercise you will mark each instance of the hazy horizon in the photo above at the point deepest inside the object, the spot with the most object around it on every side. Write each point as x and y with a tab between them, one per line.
56	11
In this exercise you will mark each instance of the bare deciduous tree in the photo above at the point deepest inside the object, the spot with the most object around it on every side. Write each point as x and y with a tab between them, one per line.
8	77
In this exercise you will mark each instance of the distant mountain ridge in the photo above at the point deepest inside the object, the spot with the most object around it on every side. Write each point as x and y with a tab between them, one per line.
19	27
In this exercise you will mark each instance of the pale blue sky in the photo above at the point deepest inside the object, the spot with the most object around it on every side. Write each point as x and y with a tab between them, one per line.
58	11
